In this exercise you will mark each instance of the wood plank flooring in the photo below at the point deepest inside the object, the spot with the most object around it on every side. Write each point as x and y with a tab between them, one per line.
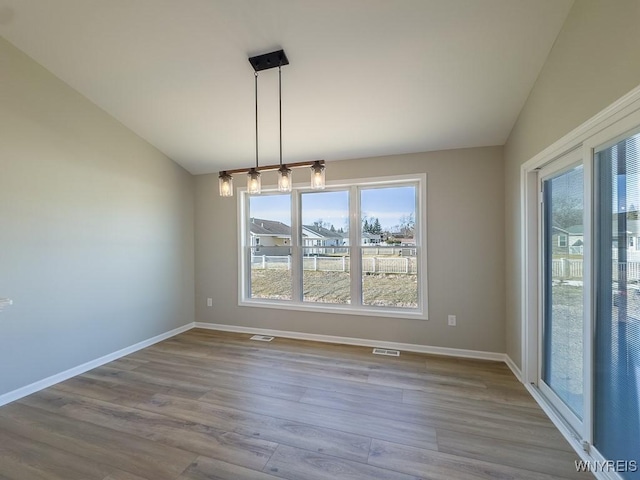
213	405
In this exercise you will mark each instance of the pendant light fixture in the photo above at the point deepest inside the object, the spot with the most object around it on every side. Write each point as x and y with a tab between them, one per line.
225	183
317	175
254	184
285	179
284	173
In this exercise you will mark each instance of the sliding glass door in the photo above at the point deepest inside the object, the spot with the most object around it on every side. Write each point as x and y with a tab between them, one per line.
581	296
562	326
617	332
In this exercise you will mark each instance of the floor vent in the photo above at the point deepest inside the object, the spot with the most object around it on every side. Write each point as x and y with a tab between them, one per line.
386	351
262	338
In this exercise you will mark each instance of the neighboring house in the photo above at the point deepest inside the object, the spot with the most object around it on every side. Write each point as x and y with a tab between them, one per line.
316	236
575	239
407	242
559	241
269	236
371	238
567	241
633	240
409	246
570	241
398	239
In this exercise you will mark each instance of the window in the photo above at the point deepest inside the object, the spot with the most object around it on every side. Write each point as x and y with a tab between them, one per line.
389	273
267	251
562	313
325	269
355	249
562	241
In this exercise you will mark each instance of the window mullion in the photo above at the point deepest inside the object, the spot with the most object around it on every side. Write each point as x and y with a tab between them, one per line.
354	247
296	250
245	260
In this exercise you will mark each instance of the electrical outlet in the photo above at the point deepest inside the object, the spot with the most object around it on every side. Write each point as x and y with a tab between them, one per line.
209	302
452	320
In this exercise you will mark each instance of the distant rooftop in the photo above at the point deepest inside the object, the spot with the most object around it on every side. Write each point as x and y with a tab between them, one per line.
325	232
260	226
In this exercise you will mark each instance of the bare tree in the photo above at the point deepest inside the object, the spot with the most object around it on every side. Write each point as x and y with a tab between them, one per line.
321	224
407	225
567	212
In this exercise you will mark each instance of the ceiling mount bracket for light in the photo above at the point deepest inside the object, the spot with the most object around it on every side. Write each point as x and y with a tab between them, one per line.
259	63
269	60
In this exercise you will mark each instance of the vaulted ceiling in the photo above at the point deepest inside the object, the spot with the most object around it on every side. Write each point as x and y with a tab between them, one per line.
366	78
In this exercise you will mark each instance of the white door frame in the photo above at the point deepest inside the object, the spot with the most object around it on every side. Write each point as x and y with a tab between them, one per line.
553	169
621	117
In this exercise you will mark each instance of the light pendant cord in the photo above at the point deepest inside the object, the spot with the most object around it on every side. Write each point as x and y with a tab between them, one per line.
280	106
256	89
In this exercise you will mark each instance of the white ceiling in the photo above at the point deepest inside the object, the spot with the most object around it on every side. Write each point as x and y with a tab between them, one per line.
367	77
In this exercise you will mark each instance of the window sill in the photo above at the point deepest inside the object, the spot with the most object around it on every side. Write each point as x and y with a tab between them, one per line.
337	309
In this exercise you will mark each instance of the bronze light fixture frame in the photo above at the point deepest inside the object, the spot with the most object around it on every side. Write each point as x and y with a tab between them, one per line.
265	62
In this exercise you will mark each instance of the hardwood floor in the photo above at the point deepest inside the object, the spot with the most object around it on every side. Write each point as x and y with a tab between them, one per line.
213	405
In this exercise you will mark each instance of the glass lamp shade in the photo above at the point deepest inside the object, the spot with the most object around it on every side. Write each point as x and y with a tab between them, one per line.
225	183
284	179
317	176
254	184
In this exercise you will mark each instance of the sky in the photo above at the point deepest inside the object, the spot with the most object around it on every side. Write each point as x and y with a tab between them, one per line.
387	204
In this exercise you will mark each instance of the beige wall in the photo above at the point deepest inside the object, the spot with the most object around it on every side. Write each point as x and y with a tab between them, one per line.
593	63
465	255
96	229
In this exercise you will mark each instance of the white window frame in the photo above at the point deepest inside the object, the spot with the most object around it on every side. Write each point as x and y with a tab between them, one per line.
355	307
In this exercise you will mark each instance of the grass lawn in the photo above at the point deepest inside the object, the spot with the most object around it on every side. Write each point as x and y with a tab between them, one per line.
381	289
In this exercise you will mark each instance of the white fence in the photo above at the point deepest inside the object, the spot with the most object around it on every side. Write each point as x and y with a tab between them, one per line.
269	262
404	265
633	270
326	264
403	251
389	265
565	268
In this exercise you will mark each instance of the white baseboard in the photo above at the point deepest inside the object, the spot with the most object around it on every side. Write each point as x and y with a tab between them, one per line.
363	342
407	347
72	372
514	368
